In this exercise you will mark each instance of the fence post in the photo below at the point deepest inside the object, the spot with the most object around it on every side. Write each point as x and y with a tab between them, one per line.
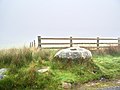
119	41
34	43
39	41
71	42
97	43
30	44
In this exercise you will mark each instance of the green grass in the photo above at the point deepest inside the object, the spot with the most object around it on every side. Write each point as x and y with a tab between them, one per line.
110	65
23	64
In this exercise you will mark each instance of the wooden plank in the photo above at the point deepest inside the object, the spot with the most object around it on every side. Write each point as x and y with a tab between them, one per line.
68	47
78	39
55	43
88	46
80	46
84	39
108	43
54	47
84	43
55	38
108	39
68	38
95	43
94	46
72	43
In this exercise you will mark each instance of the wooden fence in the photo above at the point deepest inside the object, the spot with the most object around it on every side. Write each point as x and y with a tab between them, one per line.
56	43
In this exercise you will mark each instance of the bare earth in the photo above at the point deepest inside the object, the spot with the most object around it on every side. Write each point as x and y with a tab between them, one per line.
99	85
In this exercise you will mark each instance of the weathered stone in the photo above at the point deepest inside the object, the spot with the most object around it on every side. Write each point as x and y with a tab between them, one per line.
1	76
74	53
2	71
66	85
43	70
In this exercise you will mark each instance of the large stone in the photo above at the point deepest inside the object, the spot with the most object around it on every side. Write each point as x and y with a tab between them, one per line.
74	53
2	72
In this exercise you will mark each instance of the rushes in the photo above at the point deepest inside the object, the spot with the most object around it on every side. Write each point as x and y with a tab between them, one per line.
113	50
17	57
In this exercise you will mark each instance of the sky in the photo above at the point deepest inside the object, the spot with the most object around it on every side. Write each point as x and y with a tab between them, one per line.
21	21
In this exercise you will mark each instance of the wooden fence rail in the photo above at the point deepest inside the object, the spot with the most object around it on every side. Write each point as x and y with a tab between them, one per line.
96	44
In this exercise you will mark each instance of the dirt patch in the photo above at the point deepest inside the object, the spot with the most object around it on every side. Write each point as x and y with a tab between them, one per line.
99	85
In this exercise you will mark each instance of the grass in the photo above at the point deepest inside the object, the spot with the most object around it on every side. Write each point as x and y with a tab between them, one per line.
23	64
110	65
